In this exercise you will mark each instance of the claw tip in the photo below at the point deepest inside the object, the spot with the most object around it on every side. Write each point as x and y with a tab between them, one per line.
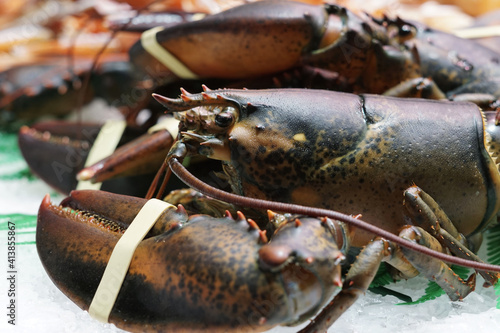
85	174
159	98
46	200
181	209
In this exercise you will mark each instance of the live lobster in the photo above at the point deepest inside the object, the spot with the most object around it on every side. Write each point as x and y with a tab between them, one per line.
387	38
302	138
333	49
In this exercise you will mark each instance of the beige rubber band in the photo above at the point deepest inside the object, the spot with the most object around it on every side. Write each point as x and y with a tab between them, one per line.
479	32
104	145
119	262
149	42
169	123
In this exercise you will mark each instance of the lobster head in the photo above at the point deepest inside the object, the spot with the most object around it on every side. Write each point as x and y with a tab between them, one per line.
264	137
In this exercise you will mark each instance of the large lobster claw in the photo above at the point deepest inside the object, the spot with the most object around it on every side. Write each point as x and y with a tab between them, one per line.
269	37
193	273
247	41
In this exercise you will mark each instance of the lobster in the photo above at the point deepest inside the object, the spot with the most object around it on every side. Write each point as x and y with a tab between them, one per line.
359	48
317	47
374	56
75	75
358	151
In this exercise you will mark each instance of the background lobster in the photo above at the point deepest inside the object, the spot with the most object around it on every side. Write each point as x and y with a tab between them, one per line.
373	49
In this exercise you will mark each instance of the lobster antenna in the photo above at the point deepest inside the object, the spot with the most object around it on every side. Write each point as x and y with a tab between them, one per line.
190	180
100	52
156	180
86	79
164	184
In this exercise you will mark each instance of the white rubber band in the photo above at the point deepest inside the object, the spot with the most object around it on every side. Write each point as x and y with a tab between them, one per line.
198	16
119	262
150	44
169	123
104	145
479	32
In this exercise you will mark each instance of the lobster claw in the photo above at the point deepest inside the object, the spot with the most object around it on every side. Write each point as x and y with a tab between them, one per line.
266	38
53	152
244	42
57	151
142	155
195	273
50	86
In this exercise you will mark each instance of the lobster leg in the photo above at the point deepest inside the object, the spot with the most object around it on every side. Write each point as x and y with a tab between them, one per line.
356	283
426	212
416	88
142	155
434	269
399	267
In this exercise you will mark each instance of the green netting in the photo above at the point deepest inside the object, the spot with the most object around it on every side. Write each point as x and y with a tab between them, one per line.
493	253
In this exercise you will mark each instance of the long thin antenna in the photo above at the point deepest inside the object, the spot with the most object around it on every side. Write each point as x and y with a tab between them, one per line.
213	192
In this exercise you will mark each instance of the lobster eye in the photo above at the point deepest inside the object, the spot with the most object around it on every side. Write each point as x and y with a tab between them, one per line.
405	30
224	119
